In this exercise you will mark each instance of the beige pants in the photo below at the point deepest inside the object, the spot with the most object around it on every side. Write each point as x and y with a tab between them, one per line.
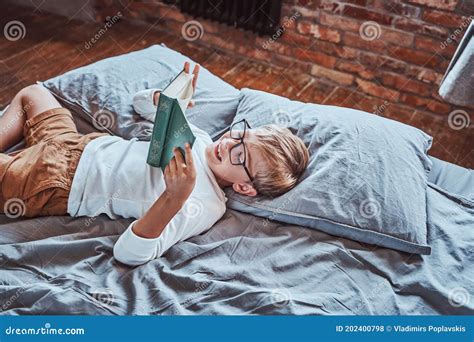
36	181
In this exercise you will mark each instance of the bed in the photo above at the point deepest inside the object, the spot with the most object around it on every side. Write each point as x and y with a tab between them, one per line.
64	265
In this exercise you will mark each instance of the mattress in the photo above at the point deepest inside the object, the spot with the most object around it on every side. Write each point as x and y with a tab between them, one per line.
64	265
453	178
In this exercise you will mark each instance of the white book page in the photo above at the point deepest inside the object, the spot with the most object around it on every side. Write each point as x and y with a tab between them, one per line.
181	89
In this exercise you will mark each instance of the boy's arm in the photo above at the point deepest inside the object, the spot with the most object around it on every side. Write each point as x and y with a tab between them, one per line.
145	102
140	241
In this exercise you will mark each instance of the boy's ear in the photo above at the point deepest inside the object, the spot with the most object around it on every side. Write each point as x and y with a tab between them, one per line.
244	189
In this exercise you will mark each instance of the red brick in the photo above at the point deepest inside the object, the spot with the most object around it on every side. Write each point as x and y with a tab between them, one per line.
425	103
357	68
397	37
367	15
402	83
318	31
315	57
335	76
339	22
294	38
449	5
306	12
422	74
443	18
377	90
325	33
434	45
344	97
333	49
218	41
398	8
414	56
254	53
355	40
420	27
274	46
399	113
286	61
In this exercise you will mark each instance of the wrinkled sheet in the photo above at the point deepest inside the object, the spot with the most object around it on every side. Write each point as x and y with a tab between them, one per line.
242	265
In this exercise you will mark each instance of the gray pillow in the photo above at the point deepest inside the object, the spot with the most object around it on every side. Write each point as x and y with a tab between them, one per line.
366	178
101	93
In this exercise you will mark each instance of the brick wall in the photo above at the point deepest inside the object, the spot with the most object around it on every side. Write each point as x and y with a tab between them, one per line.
392	50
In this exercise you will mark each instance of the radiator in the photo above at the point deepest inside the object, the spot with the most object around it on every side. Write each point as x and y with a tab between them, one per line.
259	16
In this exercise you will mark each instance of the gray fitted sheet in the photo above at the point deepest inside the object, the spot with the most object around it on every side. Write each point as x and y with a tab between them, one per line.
243	265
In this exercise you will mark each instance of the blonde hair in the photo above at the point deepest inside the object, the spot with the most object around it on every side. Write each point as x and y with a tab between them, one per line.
286	157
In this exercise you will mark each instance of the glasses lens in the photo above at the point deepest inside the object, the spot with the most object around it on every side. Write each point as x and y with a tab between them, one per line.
237	130
237	155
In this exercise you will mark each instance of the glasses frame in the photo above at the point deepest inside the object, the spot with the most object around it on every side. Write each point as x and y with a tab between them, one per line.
241	142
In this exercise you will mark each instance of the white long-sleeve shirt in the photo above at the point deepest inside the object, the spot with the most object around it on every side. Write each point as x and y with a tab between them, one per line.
113	178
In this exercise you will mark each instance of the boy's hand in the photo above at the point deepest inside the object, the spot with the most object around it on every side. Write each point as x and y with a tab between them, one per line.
180	176
156	95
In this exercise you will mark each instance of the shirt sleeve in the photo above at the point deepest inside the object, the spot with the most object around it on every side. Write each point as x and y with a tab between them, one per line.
133	250
143	104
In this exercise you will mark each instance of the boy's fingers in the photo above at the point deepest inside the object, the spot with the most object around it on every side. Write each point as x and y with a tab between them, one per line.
196	69
186	67
191	104
172	166
189	156
179	160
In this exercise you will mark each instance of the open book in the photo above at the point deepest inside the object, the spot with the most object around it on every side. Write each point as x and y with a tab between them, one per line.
171	127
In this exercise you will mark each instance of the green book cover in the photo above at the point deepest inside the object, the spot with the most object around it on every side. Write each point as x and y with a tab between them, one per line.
171	128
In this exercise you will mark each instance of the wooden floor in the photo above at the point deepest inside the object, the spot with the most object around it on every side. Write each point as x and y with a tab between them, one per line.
53	45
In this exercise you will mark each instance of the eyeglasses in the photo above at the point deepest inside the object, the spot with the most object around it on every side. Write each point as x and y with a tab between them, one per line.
238	152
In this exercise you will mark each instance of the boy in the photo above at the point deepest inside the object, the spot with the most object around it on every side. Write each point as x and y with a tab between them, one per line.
63	172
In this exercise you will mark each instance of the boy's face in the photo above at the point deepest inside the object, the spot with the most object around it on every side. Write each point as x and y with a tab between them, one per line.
218	157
